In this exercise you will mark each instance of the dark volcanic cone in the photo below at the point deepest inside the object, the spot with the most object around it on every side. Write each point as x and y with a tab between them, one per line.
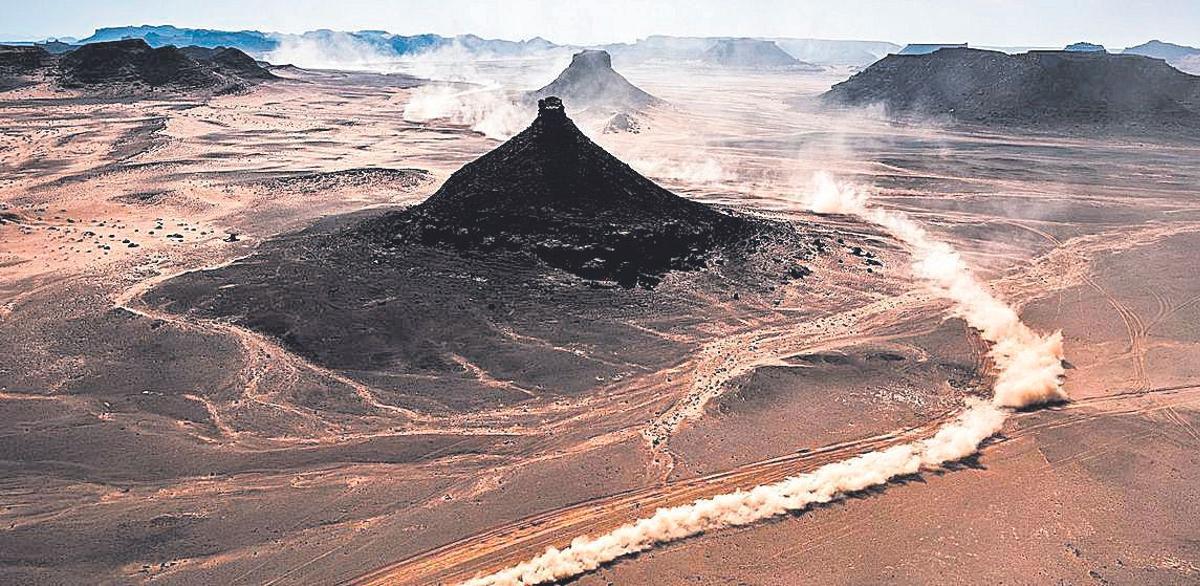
590	82
552	192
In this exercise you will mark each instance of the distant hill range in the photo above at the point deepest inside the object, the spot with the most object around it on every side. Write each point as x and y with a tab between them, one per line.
131	66
814	51
259	44
1035	89
161	36
1181	57
752	54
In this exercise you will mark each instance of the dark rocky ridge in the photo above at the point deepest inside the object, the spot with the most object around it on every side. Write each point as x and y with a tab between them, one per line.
1035	89
134	61
132	65
551	192
590	82
21	64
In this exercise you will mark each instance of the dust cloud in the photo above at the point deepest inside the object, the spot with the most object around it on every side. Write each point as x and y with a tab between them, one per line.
1028	371
487	110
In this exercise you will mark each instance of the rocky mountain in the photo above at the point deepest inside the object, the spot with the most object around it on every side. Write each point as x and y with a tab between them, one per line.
133	63
1181	57
554	194
518	255
590	82
1159	50
752	54
131	66
1039	89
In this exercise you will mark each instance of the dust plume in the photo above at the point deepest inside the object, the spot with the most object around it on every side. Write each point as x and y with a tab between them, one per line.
330	50
1028	371
1029	365
487	110
698	170
476	90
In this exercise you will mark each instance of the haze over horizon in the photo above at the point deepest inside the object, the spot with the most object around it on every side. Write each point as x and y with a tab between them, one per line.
1034	23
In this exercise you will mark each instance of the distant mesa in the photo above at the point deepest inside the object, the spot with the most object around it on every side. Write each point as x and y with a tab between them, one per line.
260	44
163	35
553	193
753	54
1181	57
1085	47
56	47
590	82
1160	50
128	65
692	49
1034	89
927	48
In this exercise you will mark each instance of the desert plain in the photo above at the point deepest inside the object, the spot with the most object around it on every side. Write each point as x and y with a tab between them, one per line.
149	432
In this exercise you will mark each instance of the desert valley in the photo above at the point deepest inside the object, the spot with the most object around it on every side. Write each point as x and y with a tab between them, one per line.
735	311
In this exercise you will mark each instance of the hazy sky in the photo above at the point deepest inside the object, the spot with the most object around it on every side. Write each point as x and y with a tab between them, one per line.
1115	23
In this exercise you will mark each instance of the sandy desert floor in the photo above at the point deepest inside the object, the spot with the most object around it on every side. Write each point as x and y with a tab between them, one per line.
142	443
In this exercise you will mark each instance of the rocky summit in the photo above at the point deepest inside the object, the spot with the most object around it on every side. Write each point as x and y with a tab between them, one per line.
591	82
552	192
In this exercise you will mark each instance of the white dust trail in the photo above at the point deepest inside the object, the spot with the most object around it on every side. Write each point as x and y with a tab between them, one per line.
1028	371
487	110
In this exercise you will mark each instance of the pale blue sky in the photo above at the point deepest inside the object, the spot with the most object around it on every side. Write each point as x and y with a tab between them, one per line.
1116	23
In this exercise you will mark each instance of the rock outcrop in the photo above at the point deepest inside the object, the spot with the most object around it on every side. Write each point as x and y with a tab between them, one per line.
1034	89
131	66
554	194
21	65
590	82
133	63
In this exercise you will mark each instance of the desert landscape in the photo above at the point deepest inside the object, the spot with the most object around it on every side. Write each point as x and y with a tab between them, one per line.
740	311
